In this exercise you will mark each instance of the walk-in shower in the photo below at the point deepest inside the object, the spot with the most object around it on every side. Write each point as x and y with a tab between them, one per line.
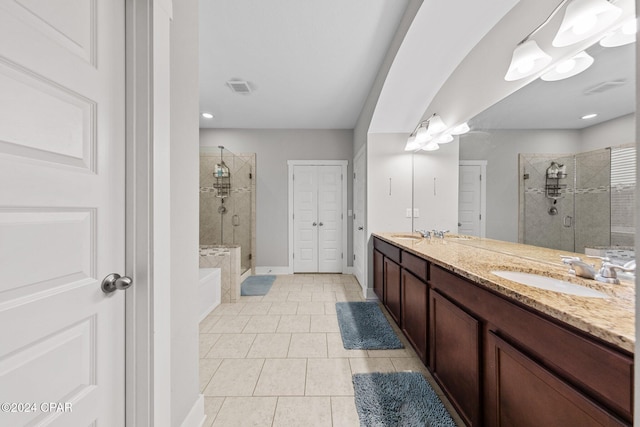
227	202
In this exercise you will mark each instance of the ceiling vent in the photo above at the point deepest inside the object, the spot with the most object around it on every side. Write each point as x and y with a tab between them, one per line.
239	86
604	86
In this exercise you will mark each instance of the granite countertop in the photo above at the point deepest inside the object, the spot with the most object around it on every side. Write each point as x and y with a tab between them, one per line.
611	319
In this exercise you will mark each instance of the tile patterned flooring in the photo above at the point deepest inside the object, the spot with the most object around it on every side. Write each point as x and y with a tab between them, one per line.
278	360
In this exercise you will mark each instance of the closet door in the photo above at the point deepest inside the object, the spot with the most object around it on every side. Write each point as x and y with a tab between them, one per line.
317	220
305	219
329	219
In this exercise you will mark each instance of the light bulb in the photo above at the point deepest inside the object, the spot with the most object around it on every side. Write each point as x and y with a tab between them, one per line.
566	66
584	24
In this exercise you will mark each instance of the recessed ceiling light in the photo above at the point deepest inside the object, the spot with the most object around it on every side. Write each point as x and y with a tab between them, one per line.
207	115
588	116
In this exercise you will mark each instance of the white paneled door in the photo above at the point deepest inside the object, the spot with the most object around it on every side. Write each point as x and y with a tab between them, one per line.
62	142
359	245
317	219
469	197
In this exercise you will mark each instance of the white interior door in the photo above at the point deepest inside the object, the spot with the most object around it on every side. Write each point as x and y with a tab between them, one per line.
329	219
317	219
469	197
305	219
358	218
62	147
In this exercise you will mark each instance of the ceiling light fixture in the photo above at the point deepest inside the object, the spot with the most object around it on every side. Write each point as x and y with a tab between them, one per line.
624	34
527	60
432	146
583	19
589	116
444	138
460	129
207	115
569	67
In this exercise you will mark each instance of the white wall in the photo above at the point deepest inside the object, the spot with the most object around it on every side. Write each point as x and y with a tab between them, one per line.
273	148
184	212
387	160
609	134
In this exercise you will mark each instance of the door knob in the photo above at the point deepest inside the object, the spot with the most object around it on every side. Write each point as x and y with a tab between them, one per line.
360	228
114	281
314	224
320	224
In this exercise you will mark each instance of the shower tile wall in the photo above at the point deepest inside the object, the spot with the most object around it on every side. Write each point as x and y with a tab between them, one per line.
537	226
237	222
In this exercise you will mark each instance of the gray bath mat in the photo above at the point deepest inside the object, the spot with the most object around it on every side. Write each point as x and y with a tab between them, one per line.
364	327
398	399
256	285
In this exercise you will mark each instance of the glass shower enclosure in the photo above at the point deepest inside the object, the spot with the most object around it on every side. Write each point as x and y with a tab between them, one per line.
226	201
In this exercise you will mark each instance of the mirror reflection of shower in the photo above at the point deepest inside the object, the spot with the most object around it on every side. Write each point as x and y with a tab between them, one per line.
227	201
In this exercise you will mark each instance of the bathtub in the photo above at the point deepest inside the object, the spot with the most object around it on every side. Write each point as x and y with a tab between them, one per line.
208	290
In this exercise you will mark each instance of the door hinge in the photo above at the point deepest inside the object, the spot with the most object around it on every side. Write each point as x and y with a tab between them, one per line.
342	255
480	177
354	215
354	175
341	216
293	255
250	257
250	175
341	177
480	217
354	257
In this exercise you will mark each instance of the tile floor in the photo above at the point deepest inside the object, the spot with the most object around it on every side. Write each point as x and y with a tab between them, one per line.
278	360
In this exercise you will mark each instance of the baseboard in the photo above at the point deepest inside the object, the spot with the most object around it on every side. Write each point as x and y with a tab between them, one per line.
196	416
348	270
370	295
260	271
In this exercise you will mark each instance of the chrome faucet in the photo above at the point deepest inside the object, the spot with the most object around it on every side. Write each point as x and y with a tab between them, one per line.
424	233
579	267
607	273
439	233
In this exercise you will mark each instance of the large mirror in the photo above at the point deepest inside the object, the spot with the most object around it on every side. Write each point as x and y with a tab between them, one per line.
553	178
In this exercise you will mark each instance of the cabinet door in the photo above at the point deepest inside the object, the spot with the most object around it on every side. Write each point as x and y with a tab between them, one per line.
455	355
392	290
378	274
525	394
414	312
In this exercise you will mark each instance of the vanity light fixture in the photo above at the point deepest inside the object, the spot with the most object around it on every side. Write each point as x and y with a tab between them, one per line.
436	125
460	129
422	135
589	116
432	146
583	19
207	115
527	60
412	145
444	138
569	67
624	34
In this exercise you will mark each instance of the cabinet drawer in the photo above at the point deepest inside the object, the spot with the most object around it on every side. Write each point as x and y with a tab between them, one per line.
416	265
387	249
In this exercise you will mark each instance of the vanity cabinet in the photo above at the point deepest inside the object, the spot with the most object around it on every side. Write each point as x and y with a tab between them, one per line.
378	274
392	290
415	312
500	362
455	355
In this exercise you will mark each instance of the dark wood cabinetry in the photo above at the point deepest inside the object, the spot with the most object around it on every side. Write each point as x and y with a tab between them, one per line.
455	356
392	290
500	362
378	274
414	312
528	395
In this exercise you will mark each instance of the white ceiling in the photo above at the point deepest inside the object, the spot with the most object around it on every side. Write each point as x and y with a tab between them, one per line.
441	35
310	64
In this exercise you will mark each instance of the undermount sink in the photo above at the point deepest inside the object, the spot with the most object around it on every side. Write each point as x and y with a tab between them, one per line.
549	284
406	236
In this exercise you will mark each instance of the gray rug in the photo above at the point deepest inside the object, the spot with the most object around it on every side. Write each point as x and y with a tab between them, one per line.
364	327
256	285
398	399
